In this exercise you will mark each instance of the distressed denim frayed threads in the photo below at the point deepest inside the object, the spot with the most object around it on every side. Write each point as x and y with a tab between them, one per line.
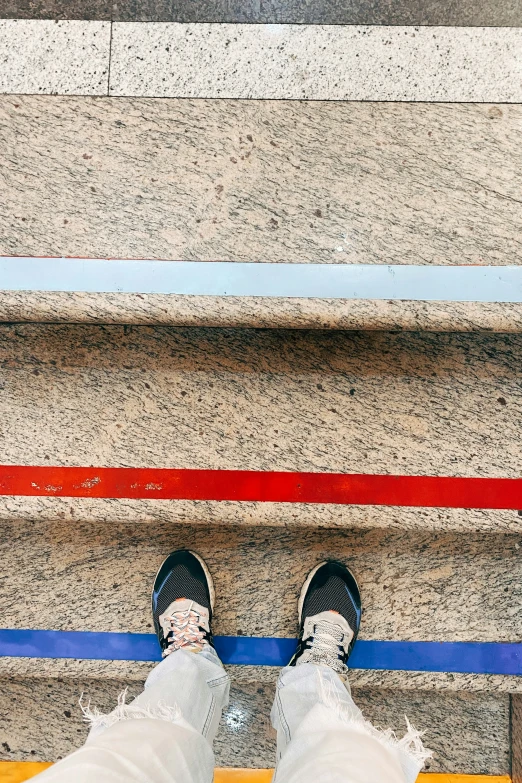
98	721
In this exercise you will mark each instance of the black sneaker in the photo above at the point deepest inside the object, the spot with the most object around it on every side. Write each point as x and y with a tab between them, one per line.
329	617
182	603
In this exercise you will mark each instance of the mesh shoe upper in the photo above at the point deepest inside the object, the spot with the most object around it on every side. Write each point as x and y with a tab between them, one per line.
330	615
182	576
333	589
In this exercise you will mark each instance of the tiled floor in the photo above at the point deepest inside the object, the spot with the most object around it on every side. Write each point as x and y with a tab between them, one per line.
312	62
66	58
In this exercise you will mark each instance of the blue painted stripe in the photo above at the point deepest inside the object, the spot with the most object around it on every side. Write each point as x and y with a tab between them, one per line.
467	657
225	278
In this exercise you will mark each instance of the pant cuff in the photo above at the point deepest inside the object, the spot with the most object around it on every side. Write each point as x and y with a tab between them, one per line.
98	721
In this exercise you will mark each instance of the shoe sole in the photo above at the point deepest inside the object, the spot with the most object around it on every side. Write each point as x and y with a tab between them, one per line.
206	572
306	585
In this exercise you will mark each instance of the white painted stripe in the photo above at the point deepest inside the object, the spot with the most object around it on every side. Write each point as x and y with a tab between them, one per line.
225	278
318	62
63	58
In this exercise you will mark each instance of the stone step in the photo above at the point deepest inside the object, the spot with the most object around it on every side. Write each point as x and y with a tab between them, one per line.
365	403
377	403
478	723
416	586
276	181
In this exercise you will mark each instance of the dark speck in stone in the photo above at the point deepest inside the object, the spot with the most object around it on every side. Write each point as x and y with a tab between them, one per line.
502	401
352	392
320	387
67	713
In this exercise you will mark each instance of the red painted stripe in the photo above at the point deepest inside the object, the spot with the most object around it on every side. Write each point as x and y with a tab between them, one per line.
264	486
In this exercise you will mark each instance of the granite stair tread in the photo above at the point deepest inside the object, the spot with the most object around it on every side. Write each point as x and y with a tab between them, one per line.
269	400
416	587
325	182
478	722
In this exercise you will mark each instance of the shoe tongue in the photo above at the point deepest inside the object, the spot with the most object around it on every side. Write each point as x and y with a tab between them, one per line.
330	617
185	605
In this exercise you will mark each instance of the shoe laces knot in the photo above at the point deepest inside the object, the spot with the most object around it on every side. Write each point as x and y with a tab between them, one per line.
326	646
183	629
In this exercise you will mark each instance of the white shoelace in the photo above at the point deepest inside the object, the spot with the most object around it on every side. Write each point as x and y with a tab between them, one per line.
325	646
186	631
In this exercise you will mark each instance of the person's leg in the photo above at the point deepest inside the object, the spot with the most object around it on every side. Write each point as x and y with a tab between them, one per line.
322	736
165	735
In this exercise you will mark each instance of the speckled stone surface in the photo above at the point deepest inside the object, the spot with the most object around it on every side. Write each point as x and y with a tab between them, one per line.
245	737
66	58
258	312
478	724
415	586
467	732
406	12
261	181
316	62
421	404
361	402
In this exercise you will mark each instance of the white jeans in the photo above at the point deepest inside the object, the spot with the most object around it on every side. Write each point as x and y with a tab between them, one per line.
165	735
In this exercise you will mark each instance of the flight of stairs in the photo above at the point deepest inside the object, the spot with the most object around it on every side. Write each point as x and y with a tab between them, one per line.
159	381
310	401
